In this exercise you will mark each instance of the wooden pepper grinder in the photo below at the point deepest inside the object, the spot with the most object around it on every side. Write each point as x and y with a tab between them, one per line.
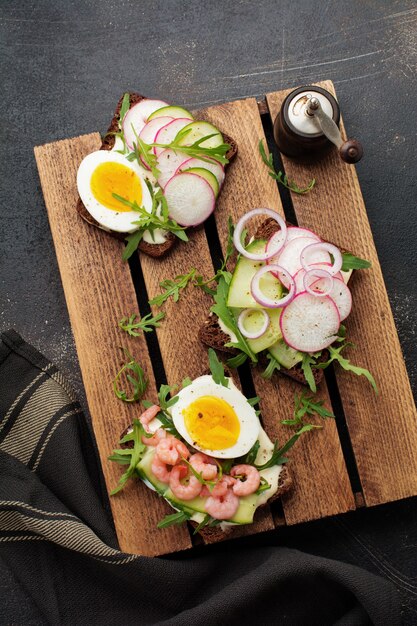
308	124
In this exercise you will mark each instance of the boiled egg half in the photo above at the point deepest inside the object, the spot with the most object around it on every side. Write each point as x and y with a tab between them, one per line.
104	173
216	420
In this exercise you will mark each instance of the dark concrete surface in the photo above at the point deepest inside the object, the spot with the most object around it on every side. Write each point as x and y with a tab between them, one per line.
63	65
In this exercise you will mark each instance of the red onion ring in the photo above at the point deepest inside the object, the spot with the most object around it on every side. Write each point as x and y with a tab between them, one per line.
329	247
319	274
242	223
264	300
241	324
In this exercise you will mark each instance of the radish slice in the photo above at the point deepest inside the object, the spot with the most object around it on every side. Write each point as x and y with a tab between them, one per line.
168	163
310	324
168	133
190	199
261	298
212	166
308	256
341	295
241	323
150	130
136	118
290	256
241	225
325	279
299	276
293	232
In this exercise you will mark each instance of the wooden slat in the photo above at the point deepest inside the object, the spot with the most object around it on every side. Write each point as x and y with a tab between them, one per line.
183	355
99	292
321	482
383	428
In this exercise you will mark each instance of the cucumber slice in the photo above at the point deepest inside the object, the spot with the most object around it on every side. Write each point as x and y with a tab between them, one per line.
197	504
244	514
171	111
144	470
208	176
197	130
285	355
240	295
272	333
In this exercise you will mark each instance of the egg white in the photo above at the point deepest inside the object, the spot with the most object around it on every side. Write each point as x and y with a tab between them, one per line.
249	422
121	222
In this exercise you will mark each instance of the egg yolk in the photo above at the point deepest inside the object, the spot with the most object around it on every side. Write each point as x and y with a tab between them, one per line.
212	423
109	178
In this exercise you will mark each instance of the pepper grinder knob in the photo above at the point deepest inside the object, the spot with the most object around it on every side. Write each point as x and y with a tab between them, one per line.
351	151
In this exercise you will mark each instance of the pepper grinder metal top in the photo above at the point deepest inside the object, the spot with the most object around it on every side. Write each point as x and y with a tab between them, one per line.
307	126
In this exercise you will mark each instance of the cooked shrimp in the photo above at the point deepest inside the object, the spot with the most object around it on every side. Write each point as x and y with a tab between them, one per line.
148	415
160	469
204	465
251	479
222	507
187	490
170	450
155	439
221	487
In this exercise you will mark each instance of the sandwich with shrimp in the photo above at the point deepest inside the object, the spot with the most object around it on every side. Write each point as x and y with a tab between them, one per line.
205	452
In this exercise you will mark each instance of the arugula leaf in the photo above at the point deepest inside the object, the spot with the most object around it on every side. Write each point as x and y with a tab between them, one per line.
223	312
250	457
138	380
172	288
157	218
186	382
176	518
217	153
307	405
136	452
347	365
230	248
146	324
271	367
277	457
206	521
253	402
120	456
124	108
163	394
168	424
237	361
217	369
306	363
264	486
227	465
352	262
280	177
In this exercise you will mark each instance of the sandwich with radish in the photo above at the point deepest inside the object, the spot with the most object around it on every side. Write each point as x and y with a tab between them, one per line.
205	451
157	173
285	304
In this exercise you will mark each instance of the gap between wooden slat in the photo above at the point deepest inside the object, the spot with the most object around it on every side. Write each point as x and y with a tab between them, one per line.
383	428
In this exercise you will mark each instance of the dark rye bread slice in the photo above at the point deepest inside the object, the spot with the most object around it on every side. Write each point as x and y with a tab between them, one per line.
151	249
212	335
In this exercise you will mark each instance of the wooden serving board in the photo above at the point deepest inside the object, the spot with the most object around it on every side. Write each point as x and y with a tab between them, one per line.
99	290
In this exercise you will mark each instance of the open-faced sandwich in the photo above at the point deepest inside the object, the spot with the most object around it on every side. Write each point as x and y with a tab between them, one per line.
158	172
285	302
205	452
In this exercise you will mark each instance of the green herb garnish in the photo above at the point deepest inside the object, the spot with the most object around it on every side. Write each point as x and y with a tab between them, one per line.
250	457
206	521
306	363
237	361
172	288
347	365
271	367
146	324
222	271
280	177
222	311
264	486
136	453
306	405
176	518
124	108
196	149
352	262
136	378
217	369
277	457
